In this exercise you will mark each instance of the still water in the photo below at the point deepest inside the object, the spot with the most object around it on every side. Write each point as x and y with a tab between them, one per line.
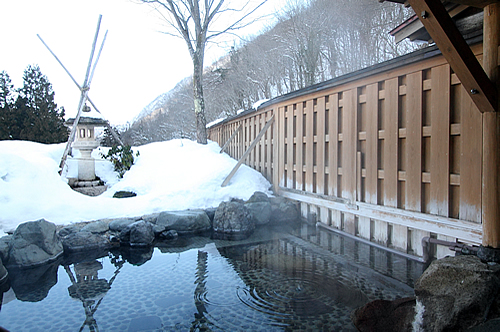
301	279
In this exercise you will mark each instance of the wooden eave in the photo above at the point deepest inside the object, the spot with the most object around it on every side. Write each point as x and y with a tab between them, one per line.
473	3
452	44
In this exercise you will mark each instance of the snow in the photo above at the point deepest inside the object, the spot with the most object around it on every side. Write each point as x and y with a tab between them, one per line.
167	176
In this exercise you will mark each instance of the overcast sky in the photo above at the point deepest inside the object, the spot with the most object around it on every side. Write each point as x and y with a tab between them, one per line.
137	64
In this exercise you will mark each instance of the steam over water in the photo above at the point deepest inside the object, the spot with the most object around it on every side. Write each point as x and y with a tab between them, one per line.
302	279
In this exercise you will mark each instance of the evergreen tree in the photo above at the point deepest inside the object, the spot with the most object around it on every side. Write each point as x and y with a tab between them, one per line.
7	113
108	140
38	116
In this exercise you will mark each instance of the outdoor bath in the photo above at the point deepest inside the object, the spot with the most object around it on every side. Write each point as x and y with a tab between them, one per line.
279	279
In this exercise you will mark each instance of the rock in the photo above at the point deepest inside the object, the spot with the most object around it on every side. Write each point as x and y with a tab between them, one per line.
283	211
85	241
99	226
124	194
137	255
151	217
4	247
233	221
456	293
33	284
138	234
260	197
260	211
3	273
168	235
118	225
65	231
211	213
34	243
184	222
385	316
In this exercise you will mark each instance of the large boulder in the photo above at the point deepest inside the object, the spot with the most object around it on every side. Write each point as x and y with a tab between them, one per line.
34	243
119	224
283	211
138	234
99	226
184	222
456	293
233	221
3	273
259	206
385	316
85	241
5	247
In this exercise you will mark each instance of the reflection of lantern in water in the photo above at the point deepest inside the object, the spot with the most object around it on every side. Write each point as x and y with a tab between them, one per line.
88	288
88	285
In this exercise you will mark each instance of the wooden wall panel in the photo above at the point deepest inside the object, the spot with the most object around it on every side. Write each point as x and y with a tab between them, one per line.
281	145
299	113
309	146
320	146
413	195
391	136
440	140
371	156
290	147
349	141
470	160
333	135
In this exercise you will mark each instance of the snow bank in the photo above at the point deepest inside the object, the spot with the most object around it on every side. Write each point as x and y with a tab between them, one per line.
167	176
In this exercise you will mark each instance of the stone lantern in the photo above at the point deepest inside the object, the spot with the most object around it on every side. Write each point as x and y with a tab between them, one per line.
86	142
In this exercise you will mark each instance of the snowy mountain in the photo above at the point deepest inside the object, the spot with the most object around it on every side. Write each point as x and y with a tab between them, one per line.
153	108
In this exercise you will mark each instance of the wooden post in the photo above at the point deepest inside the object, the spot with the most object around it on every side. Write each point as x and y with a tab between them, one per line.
491	133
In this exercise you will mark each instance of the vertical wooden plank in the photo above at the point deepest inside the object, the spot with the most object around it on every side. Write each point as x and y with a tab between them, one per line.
309	145
320	146
413	195
333	134
470	159
416	241
371	163
364	227
349	145
269	149
258	124
380	232
440	140
281	145
290	147
299	113
399	237
391	143
276	136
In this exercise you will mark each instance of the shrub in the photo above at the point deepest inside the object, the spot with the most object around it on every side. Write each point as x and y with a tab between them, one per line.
122	158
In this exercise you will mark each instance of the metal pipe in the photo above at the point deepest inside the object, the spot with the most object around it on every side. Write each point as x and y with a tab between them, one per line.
457	247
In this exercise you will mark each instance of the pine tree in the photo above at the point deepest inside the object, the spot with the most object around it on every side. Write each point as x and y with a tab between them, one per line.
7	113
38	117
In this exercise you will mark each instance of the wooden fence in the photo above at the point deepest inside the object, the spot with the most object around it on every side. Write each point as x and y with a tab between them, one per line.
391	154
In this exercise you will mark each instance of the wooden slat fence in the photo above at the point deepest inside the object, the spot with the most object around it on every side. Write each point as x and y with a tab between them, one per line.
392	156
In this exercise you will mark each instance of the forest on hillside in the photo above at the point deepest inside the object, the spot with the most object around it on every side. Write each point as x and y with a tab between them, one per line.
311	42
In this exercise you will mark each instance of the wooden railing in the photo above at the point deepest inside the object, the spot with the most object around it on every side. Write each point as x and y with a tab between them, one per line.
391	154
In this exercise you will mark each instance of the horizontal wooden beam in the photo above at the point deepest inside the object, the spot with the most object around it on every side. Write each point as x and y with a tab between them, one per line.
472	3
445	34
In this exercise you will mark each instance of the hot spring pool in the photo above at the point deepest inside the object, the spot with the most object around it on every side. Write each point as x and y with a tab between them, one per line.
303	279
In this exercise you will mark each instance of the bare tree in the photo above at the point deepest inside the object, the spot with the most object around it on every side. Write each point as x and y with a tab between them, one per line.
194	21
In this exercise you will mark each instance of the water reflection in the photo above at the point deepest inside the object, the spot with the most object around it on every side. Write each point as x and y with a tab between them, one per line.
87	287
274	281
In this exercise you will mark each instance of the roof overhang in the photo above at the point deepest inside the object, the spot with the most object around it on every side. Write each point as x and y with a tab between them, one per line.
473	3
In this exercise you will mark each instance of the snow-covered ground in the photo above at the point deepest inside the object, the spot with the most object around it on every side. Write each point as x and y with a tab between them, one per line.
167	176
